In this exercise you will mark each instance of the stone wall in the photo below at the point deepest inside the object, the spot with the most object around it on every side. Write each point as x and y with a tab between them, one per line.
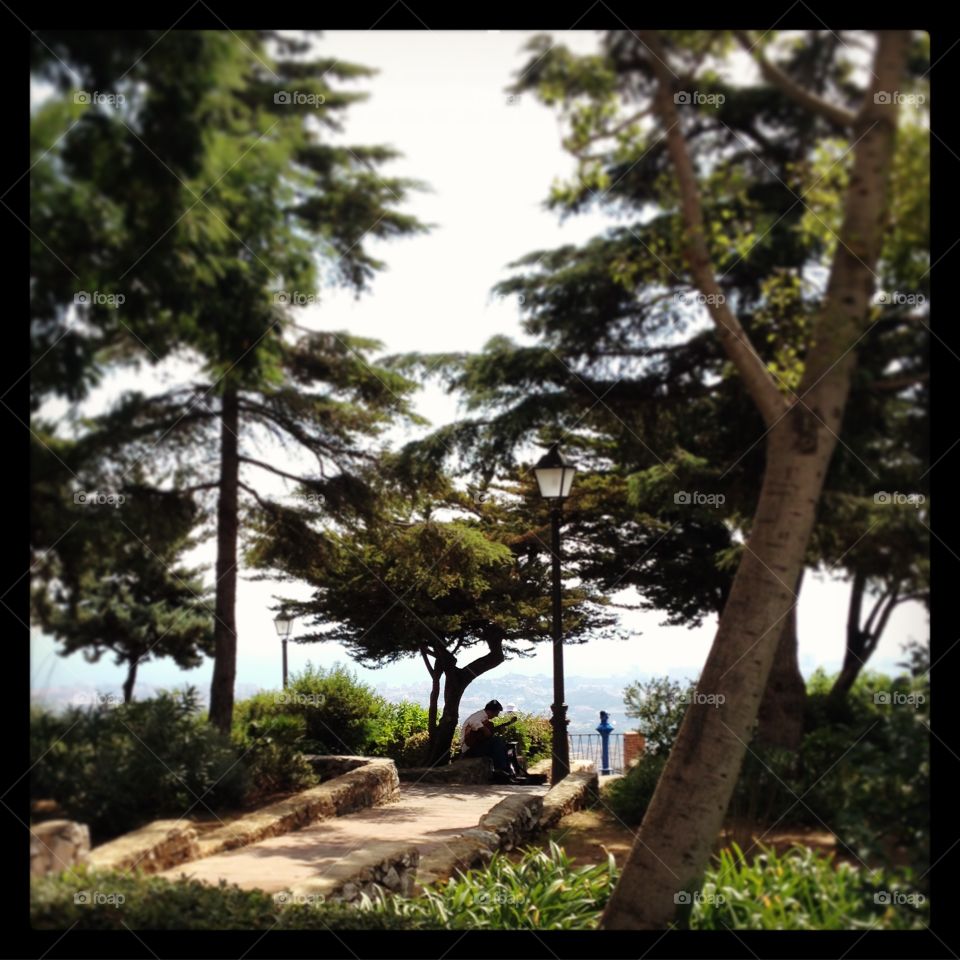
509	823
328	767
578	789
467	770
383	867
56	845
157	846
168	843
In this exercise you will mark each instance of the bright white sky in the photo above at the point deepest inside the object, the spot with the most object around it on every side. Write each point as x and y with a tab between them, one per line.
440	99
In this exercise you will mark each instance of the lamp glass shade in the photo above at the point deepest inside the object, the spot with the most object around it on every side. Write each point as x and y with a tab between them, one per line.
554	474
283	625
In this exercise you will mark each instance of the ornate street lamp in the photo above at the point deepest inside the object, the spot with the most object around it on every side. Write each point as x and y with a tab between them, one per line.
284	625
555	478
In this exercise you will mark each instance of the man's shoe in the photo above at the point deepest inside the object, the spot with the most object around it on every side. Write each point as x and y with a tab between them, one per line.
503	776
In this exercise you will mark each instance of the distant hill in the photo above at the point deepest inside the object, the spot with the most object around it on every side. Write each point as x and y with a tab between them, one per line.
586	696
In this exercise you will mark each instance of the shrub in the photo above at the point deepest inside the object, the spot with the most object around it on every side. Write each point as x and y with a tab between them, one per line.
338	710
877	792
659	704
803	890
630	795
117	767
541	892
863	767
800	890
415	751
272	756
535	734
155	903
394	725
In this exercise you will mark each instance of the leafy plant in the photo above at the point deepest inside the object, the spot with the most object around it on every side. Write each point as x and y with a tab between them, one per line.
659	704
272	755
544	891
117	767
803	889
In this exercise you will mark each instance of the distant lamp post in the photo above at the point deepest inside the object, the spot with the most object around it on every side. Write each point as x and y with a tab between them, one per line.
284	625
555	478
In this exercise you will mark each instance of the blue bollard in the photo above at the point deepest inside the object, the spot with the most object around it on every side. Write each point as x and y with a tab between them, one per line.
604	729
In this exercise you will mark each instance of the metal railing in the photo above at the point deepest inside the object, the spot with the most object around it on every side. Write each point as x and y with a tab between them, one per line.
589	746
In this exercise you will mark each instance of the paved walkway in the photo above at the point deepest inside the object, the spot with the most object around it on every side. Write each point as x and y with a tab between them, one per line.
425	815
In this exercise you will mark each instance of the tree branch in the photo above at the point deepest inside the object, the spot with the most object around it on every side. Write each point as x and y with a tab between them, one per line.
757	379
838	116
280	473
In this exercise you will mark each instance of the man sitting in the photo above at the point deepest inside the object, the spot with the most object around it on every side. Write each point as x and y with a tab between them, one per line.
478	739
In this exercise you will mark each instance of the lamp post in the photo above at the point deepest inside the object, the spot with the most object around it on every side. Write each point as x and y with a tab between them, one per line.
284	625
555	478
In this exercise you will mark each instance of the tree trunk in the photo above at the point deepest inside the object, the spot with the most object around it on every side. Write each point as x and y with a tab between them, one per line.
453	689
862	639
435	672
457	679
673	846
225	628
131	680
780	717
434	701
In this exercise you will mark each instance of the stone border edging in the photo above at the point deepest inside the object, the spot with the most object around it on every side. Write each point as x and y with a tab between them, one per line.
163	844
508	822
389	866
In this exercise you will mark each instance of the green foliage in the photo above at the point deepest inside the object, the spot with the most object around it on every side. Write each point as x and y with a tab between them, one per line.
272	755
535	735
799	890
339	712
541	892
863	768
659	705
117	767
630	795
395	725
415	751
876	795
803	889
155	903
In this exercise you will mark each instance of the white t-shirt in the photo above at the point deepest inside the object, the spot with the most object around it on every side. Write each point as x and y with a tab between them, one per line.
473	722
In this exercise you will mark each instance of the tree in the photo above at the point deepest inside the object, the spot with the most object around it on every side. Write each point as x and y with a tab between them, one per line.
434	589
697	177
269	198
117	583
686	812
